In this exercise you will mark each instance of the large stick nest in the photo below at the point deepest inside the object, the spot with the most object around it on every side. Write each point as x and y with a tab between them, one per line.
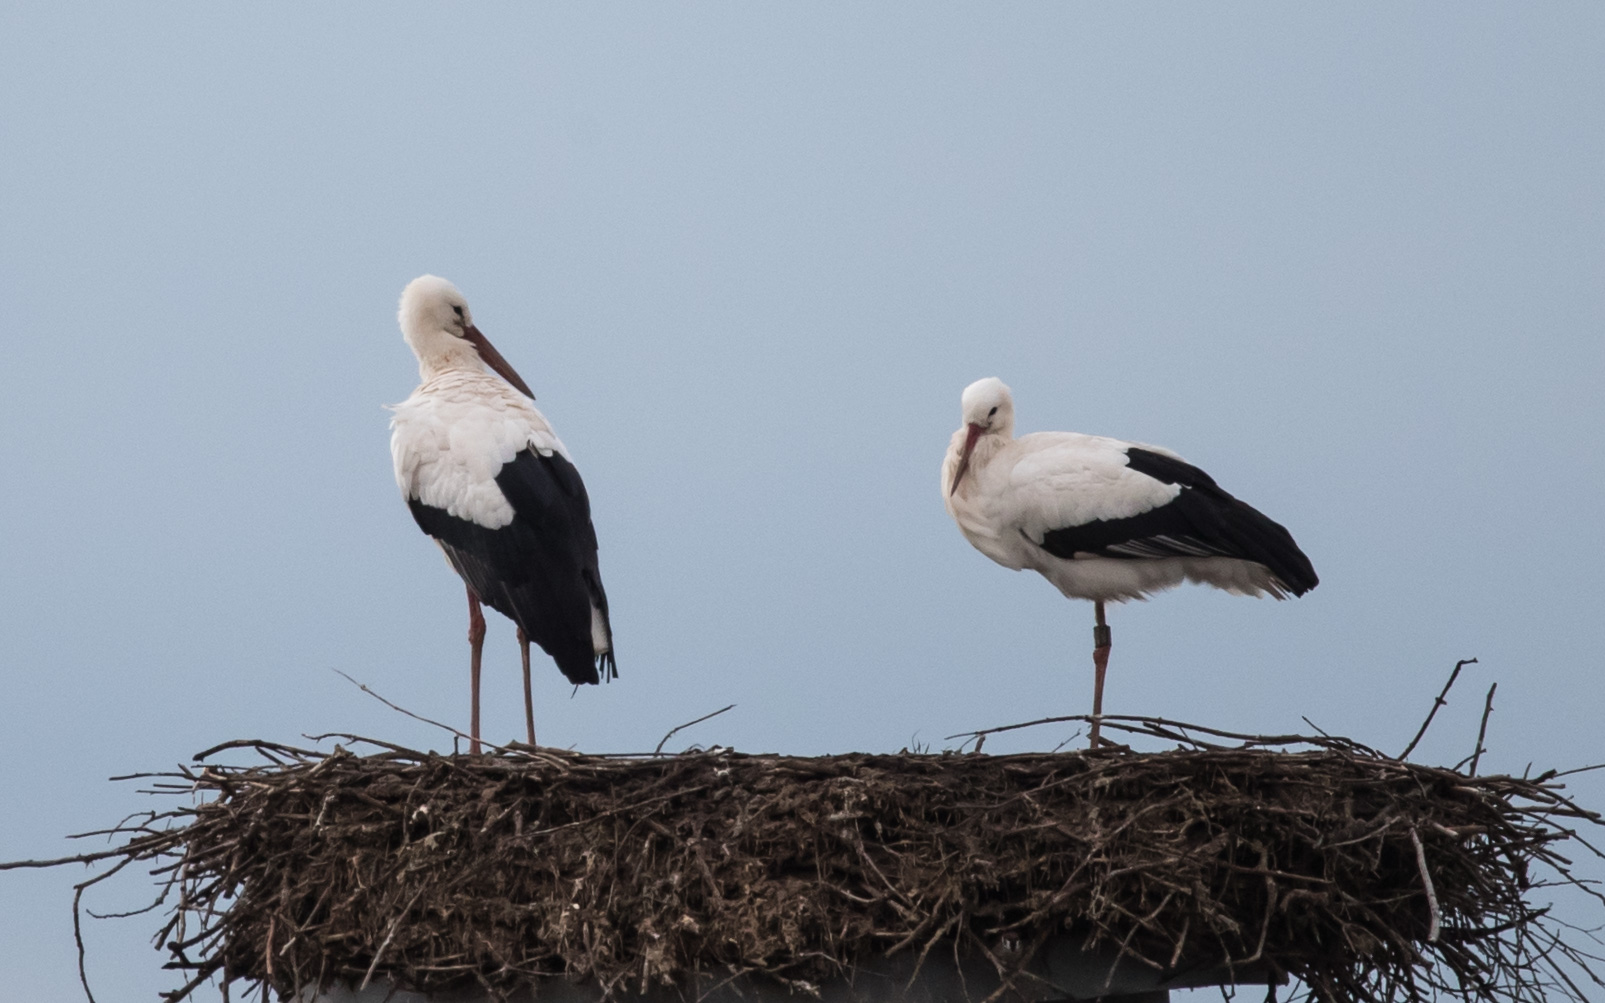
1311	858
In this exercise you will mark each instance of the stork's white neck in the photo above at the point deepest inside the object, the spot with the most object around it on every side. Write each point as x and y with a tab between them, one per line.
986	450
445	354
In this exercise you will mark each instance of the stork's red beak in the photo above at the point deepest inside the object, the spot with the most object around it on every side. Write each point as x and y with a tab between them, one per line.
494	360
964	458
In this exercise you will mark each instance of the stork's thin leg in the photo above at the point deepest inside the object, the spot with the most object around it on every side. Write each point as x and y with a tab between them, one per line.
1100	664
529	700
476	643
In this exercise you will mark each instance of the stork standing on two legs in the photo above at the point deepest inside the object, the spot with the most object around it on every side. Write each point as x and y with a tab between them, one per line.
485	475
1105	520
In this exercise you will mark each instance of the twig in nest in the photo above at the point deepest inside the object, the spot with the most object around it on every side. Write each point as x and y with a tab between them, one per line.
1482	732
416	717
1432	895
395	924
78	936
1435	705
1318	729
679	728
1178	731
79	858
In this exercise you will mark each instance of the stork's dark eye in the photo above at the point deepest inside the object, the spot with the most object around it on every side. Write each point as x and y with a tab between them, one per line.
992	412
459	311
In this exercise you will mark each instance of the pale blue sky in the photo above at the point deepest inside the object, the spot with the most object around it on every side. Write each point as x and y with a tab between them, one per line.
1347	259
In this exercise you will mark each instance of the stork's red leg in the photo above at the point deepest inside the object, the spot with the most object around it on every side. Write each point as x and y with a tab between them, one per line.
529	700
476	643
1100	664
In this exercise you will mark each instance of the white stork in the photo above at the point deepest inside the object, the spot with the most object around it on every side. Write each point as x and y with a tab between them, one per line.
485	475
1103	519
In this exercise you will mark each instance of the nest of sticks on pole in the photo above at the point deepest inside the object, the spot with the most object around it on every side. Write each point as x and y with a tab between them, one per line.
1359	875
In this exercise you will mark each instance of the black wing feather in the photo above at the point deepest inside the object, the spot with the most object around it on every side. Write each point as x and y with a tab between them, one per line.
540	570
1202	521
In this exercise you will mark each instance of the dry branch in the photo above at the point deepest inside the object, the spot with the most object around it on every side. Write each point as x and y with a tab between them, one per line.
1442	700
1482	729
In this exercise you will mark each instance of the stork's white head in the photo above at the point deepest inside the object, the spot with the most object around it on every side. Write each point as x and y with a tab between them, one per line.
433	317
988	405
987	411
439	328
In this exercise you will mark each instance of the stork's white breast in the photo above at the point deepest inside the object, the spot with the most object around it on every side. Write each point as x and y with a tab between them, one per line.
452	437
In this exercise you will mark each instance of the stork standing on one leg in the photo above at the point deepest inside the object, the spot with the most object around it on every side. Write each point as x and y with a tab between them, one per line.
1105	520
485	475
